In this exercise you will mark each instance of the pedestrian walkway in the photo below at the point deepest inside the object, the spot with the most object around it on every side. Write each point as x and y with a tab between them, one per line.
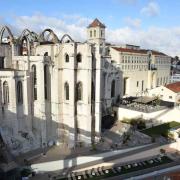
50	165
170	148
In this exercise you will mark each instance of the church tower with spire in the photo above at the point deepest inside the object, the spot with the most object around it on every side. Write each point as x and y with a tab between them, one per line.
96	33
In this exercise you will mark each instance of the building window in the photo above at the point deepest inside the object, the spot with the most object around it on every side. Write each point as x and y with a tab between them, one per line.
5	92
137	84
19	92
170	97
67	58
90	33
79	58
34	82
66	89
94	33
113	89
79	91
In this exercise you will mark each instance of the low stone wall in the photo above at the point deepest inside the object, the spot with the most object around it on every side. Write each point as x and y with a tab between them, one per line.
165	115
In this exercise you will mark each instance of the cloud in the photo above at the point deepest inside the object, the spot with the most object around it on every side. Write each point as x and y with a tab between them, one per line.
136	23
166	40
152	9
73	25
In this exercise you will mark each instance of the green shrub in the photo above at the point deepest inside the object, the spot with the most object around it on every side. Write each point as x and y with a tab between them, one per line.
25	172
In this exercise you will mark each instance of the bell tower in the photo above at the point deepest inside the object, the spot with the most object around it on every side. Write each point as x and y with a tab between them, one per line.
96	33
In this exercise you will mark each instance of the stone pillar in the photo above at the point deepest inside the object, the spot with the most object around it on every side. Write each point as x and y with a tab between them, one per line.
41	117
98	115
11	111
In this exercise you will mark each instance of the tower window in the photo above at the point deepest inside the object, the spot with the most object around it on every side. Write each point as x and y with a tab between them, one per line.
90	33
101	33
94	33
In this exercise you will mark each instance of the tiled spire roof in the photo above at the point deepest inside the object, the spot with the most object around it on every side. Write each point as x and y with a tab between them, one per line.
96	23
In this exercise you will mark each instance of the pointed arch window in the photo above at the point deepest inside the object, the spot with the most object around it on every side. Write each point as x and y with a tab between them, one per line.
34	82
46	81
19	92
113	88
79	58
66	90
67	58
5	92
79	91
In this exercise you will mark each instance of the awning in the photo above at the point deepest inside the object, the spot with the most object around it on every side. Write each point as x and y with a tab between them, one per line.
145	99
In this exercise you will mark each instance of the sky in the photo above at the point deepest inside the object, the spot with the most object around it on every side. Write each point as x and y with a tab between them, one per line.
152	24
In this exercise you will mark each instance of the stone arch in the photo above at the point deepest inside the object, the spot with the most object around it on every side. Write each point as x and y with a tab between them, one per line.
66	36
32	36
29	37
44	38
5	28
25	32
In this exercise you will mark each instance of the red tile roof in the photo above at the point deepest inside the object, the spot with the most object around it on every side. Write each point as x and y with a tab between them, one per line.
175	87
158	53
96	23
140	51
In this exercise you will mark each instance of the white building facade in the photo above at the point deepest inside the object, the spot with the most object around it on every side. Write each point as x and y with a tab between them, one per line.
142	69
55	89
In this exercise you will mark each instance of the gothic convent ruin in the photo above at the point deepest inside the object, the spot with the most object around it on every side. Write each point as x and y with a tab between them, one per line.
57	90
